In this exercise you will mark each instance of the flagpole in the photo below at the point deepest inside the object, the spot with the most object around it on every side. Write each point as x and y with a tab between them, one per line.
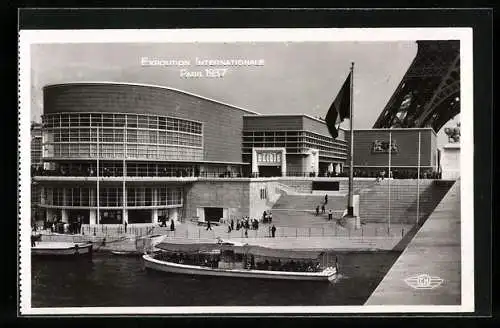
350	209
389	180
124	195
97	176
418	178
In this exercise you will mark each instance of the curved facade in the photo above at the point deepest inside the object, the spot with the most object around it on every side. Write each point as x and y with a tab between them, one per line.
130	151
221	124
133	136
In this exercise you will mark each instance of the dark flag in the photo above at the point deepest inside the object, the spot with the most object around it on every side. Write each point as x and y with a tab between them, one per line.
340	108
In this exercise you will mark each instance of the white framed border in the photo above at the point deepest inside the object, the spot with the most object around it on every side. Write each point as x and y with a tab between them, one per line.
29	37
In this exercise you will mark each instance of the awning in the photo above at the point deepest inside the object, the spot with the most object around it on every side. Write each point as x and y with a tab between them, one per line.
214	248
283	254
190	248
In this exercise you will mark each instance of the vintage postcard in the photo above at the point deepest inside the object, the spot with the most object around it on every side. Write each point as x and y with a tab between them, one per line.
264	171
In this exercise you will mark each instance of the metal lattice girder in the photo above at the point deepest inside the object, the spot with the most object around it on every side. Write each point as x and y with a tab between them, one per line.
429	93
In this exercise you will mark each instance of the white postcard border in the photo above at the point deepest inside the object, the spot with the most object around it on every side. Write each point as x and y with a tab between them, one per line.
29	37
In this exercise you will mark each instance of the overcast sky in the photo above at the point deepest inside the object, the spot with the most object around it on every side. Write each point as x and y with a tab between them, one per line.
297	77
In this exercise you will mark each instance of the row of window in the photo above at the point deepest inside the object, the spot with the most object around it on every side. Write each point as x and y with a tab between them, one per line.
36	150
298	142
120	120
110	151
111	197
117	136
270	133
295	142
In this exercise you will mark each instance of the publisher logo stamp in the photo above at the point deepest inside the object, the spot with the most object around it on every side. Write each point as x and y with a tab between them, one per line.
424	281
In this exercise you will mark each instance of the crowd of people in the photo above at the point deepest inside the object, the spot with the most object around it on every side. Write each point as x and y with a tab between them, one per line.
164	172
91	171
56	225
395	174
246	223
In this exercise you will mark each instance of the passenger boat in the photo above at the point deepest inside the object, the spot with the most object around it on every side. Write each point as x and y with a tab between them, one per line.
61	249
228	259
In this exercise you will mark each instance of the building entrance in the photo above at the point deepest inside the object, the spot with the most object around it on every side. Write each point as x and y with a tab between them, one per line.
139	216
74	214
111	216
269	171
213	213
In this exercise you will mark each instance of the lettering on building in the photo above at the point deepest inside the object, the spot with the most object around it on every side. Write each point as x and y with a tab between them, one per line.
269	158
381	146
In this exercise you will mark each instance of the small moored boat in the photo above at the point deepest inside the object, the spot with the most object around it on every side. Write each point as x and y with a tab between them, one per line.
61	249
228	259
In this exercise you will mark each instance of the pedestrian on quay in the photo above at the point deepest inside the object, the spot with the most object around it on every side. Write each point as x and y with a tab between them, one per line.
323	209
317	210
246	232
273	231
79	224
326	199
125	224
172	225
209	225
330	215
232	225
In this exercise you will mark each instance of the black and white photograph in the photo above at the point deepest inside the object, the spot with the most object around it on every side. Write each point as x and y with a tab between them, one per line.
246	171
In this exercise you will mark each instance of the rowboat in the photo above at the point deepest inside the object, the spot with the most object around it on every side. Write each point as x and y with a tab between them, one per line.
61	249
126	253
240	261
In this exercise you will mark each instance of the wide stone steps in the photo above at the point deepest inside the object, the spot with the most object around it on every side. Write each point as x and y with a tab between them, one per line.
297	218
309	202
374	204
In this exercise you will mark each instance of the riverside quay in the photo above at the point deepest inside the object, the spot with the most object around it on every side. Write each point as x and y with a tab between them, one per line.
139	153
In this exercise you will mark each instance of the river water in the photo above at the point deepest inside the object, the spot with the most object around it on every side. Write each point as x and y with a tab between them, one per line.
111	281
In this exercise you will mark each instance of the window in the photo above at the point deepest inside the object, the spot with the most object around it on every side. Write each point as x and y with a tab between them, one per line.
263	193
142	122
132	121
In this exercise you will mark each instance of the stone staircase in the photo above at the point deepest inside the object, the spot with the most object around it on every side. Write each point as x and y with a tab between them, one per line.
308	202
429	199
300	209
297	206
374	201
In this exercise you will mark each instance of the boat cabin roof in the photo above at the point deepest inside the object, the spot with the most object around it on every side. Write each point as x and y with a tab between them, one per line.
260	251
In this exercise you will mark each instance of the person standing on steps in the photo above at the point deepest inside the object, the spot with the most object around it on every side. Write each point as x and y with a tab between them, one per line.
330	215
317	210
273	231
323	209
209	225
172	225
125	224
326	199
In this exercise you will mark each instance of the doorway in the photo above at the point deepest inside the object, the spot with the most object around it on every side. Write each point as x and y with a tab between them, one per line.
213	214
269	171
